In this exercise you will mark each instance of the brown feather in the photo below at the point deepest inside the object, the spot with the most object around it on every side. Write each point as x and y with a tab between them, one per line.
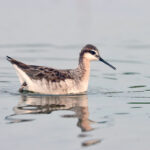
40	72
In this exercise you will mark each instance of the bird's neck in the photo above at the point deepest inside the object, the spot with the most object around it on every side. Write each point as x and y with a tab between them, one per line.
84	66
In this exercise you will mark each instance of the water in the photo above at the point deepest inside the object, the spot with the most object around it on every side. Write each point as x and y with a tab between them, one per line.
115	112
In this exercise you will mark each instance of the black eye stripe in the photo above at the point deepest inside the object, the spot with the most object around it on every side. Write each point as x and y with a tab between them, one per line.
92	52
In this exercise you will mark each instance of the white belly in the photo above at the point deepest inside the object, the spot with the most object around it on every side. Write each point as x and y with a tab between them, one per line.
67	86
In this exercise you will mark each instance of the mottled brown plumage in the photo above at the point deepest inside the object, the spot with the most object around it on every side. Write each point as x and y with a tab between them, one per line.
40	72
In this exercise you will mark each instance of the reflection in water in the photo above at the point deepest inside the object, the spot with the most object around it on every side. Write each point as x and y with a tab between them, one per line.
91	142
137	86
131	73
48	104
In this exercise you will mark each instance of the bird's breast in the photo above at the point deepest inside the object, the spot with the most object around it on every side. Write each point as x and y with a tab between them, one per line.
67	86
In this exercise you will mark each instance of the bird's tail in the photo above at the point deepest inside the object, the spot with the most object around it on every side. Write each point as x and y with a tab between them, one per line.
13	61
9	58
19	64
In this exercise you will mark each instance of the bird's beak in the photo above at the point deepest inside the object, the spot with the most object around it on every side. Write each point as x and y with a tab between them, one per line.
105	62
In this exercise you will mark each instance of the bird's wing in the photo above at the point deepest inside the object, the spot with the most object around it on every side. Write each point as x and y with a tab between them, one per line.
40	72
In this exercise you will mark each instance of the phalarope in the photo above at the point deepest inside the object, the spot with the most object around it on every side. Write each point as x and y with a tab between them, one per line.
51	81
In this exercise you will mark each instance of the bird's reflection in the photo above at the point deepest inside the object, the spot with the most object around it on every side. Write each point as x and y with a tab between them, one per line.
37	104
48	104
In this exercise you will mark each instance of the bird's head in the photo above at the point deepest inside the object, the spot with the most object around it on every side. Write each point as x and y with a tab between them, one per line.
91	53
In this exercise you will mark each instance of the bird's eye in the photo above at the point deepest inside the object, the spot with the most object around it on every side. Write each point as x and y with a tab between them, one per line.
92	52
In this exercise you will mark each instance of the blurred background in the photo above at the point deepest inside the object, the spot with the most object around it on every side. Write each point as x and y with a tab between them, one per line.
71	22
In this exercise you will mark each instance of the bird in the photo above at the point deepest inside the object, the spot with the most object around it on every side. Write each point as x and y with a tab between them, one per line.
46	80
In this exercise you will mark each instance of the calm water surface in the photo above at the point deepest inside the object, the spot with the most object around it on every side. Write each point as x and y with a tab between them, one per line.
114	114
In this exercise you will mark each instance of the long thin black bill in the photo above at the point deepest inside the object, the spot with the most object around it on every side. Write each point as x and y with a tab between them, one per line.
101	59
